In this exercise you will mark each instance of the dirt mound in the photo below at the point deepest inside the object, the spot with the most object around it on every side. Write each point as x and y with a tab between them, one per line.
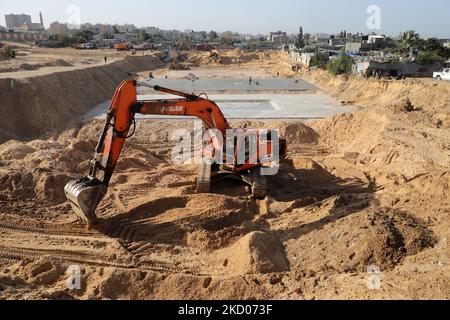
38	185
28	67
257	252
227	57
355	132
178	66
59	63
353	243
298	133
44	271
38	170
15	150
119	284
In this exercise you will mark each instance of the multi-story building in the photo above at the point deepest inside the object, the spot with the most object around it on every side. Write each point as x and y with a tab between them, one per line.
278	37
27	27
126	28
57	27
99	28
16	20
152	30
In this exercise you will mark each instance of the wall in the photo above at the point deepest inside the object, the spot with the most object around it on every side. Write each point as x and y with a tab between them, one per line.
23	36
303	58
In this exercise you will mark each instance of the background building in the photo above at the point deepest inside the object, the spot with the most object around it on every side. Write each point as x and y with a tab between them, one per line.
278	37
16	20
57	27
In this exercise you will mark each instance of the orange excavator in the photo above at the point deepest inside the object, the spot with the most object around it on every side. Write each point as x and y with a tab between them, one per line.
243	156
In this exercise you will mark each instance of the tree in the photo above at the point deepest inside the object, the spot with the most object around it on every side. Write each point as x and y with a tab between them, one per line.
319	60
307	37
213	35
83	36
428	57
65	39
228	38
309	49
409	38
343	34
145	36
341	65
406	41
300	41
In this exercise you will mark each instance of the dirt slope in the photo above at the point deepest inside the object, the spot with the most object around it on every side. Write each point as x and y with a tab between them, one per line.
33	106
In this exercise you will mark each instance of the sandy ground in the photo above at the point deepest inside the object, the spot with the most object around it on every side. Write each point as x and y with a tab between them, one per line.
360	210
35	61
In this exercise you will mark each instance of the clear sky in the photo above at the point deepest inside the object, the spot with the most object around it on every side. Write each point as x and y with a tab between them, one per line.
429	18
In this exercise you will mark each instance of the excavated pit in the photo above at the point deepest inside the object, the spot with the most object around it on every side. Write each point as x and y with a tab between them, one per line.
358	190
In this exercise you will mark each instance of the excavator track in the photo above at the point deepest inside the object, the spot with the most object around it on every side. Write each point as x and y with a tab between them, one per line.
259	184
16	254
204	177
16	226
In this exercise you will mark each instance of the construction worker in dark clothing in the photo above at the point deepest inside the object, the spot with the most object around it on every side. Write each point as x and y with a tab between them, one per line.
106	59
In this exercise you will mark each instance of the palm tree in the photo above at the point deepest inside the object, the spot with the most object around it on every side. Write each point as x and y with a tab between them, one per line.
409	38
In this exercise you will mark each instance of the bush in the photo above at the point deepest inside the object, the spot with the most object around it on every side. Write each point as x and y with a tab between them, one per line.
428	57
309	49
342	65
319	60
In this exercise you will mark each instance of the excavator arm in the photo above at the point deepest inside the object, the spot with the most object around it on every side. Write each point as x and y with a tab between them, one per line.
85	194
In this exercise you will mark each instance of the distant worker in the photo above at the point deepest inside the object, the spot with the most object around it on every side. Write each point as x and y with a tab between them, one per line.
106	59
278	74
250	80
151	75
166	77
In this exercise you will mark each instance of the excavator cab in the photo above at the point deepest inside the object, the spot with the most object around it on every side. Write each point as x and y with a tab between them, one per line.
86	194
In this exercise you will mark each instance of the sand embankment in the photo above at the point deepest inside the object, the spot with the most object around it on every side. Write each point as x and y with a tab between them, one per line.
35	105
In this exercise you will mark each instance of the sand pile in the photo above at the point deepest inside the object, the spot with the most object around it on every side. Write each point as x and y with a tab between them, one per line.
229	57
256	253
351	244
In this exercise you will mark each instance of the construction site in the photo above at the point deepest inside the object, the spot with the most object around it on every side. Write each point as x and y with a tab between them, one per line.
362	190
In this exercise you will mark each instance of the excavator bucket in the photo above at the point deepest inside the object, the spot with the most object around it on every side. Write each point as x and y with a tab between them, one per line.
84	196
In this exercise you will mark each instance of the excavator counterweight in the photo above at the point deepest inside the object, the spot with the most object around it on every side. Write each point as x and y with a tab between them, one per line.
86	194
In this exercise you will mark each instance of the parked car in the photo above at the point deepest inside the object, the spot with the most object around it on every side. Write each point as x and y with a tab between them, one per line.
90	46
444	74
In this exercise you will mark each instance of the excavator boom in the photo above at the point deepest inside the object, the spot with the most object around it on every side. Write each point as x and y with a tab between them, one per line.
86	194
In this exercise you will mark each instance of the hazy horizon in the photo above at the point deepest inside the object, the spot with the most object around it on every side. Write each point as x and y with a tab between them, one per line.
252	16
